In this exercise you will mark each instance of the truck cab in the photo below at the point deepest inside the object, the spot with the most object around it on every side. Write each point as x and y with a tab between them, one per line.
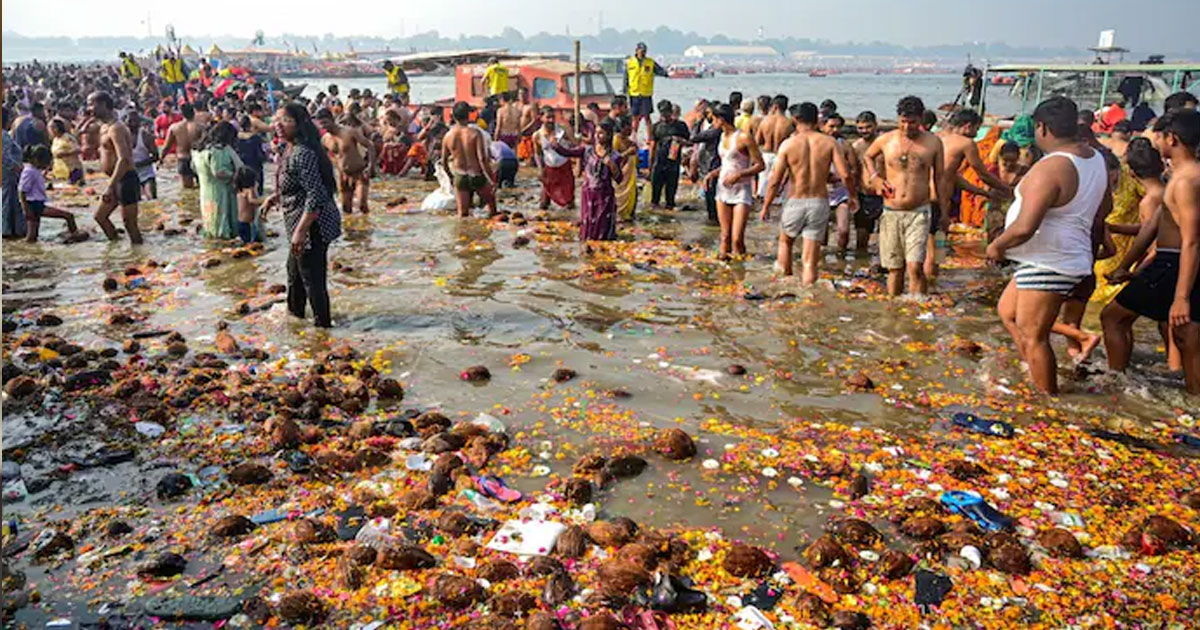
547	82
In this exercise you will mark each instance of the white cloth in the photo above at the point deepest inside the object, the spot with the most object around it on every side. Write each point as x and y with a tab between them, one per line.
551	158
1063	242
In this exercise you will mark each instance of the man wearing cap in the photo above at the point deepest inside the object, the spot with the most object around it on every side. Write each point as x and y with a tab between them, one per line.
495	77
639	85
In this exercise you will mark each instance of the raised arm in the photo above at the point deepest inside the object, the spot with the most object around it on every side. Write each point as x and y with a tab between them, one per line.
985	175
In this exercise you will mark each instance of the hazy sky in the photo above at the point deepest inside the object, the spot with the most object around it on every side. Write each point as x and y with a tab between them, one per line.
1151	25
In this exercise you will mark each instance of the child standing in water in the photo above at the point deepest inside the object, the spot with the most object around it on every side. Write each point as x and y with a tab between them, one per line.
32	188
248	203
1010	170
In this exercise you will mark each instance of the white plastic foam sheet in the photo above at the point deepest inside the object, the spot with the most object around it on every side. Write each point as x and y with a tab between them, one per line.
527	538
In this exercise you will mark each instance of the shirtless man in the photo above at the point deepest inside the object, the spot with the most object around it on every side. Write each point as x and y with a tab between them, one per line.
805	160
466	146
89	135
354	165
1118	141
1173	271
958	145
180	138
911	157
116	158
764	106
771	133
870	203
839	190
203	116
508	120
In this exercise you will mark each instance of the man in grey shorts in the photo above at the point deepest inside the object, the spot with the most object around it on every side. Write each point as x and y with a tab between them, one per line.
804	159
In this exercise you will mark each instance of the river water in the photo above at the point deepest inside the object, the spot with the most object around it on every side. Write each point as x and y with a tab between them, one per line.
425	295
853	92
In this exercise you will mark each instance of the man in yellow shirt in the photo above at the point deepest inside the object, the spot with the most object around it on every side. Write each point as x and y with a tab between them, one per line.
129	68
397	80
172	74
639	85
495	77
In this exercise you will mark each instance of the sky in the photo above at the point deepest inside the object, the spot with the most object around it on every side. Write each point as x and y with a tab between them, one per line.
1156	25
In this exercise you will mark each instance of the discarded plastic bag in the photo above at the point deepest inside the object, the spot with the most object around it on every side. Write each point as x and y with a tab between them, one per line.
527	538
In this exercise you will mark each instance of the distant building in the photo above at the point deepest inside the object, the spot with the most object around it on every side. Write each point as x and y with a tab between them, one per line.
713	52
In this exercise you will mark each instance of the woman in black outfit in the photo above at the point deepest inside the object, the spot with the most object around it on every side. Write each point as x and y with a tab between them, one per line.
304	186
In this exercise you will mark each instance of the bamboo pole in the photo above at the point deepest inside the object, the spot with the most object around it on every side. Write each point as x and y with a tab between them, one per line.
578	70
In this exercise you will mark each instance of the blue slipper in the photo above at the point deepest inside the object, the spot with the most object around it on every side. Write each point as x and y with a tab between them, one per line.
973	422
973	506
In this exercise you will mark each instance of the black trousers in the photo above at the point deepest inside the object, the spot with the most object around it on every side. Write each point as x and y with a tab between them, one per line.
664	178
307	281
710	201
508	173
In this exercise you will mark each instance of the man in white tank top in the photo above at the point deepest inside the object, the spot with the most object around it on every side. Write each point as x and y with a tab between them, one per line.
1053	229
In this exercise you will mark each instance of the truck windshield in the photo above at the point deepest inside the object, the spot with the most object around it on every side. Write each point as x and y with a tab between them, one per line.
590	84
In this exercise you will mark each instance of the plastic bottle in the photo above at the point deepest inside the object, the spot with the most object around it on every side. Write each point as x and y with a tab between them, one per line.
479	500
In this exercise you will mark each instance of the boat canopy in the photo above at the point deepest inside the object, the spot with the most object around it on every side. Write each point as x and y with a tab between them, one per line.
1168	77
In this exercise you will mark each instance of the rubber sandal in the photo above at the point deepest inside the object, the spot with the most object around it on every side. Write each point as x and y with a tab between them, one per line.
997	428
495	488
975	508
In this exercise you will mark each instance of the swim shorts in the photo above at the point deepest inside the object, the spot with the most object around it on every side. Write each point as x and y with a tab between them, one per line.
129	190
869	209
640	105
469	183
935	217
806	217
185	166
903	236
36	206
1032	277
1151	291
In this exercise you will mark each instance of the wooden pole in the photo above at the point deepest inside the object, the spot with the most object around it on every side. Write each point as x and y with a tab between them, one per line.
578	70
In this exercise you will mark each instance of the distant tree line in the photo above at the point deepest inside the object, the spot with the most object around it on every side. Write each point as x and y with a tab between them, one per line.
662	41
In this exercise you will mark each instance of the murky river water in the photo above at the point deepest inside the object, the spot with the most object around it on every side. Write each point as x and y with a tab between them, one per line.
434	295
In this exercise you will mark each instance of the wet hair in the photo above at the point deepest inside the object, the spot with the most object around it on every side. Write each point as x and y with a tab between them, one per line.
244	122
1010	148
103	97
1123	126
838	117
1179	100
220	134
724	112
1143	159
188	111
546	109
1087	117
624	123
608	126
664	107
964	117
805	112
1184	124
866	116
780	101
735	99
617	101
929	118
507	97
308	135
828	106
323	113
910	106
461	112
38	155
58	125
247	177
1060	115
592	106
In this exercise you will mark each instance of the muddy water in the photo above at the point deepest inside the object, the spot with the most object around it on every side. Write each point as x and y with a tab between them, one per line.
434	295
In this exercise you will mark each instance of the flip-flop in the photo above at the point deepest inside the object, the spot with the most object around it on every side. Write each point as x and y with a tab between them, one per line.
975	508
809	582
998	428
495	488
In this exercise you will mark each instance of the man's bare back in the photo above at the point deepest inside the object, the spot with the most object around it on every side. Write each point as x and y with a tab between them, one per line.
910	163
807	156
508	120
772	131
465	146
185	133
343	143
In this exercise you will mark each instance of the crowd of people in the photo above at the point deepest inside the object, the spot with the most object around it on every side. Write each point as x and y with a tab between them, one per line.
1087	208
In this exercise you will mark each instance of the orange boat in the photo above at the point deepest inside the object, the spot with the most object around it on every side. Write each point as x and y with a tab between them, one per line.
547	81
818	73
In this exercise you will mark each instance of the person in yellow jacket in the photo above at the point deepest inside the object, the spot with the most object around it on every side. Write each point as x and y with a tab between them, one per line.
397	80
495	77
639	85
130	68
172	74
